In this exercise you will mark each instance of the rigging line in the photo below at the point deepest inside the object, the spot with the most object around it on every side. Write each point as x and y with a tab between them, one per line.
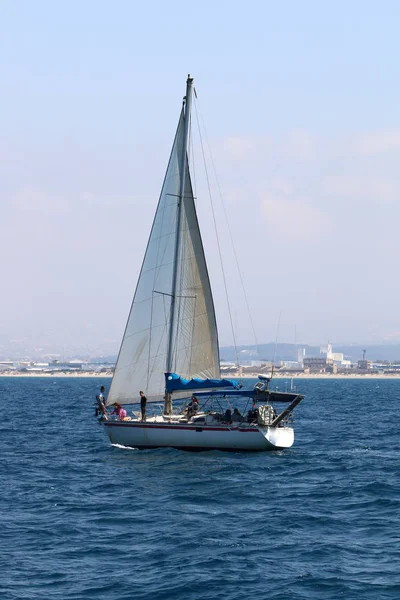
157	270
187	339
163	206
216	233
187	319
192	161
193	326
159	264
188	275
149	353
161	338
276	344
180	296
179	334
229	229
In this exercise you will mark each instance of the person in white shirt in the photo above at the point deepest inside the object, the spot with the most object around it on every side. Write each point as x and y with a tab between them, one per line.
101	403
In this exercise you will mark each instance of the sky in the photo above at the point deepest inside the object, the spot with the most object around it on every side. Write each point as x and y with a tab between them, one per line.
300	102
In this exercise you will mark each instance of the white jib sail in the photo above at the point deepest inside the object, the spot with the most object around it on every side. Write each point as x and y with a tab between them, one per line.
142	357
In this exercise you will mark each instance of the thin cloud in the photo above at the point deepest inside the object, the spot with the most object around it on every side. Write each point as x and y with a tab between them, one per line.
378	142
297	144
361	187
295	220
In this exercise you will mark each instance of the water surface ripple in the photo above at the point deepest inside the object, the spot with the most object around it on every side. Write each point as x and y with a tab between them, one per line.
81	519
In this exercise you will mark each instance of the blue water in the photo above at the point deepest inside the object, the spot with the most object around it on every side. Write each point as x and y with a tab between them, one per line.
80	519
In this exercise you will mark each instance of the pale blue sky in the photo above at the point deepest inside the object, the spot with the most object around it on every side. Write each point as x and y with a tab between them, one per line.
301	104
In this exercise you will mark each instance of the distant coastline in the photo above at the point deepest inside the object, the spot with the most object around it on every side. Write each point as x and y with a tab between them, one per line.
95	374
286	376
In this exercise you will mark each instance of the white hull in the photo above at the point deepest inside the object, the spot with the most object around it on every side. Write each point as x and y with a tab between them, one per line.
135	434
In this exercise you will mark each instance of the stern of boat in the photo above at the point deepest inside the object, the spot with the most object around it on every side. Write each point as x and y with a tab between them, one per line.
278	437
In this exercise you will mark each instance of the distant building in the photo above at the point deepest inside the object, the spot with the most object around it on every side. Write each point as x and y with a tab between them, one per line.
383	366
72	365
291	365
346	364
334	358
327	350
256	363
364	365
315	364
301	352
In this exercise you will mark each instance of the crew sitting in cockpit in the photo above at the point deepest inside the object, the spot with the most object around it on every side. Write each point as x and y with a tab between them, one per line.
192	407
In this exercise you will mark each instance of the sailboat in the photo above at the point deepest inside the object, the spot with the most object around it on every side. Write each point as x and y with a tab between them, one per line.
170	345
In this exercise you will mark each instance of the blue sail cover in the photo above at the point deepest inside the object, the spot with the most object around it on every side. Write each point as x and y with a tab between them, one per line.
175	383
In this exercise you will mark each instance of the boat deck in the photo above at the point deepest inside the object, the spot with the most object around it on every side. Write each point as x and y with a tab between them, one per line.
198	420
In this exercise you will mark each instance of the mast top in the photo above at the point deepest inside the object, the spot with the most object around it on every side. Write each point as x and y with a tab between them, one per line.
189	83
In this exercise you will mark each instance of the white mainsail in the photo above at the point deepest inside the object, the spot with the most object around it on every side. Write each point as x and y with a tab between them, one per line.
142	359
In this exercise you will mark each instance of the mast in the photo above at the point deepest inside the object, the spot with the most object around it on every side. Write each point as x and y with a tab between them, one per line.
188	102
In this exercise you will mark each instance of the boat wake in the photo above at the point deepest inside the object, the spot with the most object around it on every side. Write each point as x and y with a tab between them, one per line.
124	447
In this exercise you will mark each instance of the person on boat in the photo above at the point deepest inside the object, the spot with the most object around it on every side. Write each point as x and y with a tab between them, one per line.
252	415
119	411
192	407
101	403
227	416
143	402
236	417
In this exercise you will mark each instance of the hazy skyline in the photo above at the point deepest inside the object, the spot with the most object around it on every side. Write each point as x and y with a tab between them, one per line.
301	105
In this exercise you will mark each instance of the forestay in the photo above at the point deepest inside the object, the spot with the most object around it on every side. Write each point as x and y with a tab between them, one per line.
142	358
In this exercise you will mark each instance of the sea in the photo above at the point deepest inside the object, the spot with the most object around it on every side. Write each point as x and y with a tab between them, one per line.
81	519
